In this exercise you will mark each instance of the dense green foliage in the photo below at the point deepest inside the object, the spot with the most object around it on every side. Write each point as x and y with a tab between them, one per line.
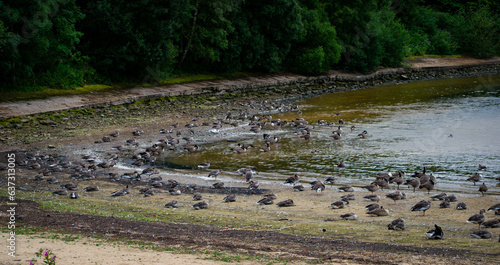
68	43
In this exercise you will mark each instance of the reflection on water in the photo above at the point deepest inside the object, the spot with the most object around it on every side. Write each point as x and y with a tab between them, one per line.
409	126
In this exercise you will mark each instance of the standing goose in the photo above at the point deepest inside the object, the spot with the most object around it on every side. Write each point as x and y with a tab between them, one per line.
436	233
483	188
214	173
292	180
318	186
475	178
423	205
478	218
412	182
397	179
372	187
429	185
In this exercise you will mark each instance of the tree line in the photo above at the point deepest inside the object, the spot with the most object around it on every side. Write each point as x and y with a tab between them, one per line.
68	43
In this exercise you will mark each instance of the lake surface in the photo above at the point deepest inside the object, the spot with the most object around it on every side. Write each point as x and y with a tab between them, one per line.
447	125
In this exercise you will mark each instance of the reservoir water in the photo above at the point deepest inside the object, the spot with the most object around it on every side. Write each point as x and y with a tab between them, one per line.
450	126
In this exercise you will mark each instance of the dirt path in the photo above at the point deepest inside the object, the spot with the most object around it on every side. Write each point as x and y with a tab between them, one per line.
22	108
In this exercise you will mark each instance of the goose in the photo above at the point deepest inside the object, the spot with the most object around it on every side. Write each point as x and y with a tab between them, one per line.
341	164
419	174
371	207
412	182
397	224
218	185
70	186
73	195
330	180
292	180
363	134
483	188
172	204
339	204
436	233
248	176
439	197
493	223
230	198
214	173
397	179
349	216
347	197
396	196
52	180
378	212
147	192
336	136
429	185
346	189
478	218
475	178
372	197
253	186
318	186
298	188
200	205
482	234
91	188
461	206
423	205
192	148
481	167
265	148
452	198
271	196
445	203
265	201
60	192
197	197
372	187
495	207
286	203
338	131
382	183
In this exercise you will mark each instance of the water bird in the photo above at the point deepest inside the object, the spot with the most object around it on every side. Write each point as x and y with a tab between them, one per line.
218	185
371	207
363	134
52	180
461	206
439	197
336	136
214	173
481	167
74	195
397	224
445	203
481	234
378	212
197	197
253	186
397	179
339	204
286	203
436	233
413	183
349	216
265	148
172	204
330	180
341	164
292	180
230	198
348	197
452	198
478	218
372	187
474	178
265	201
60	192
270	196
495	207
493	223
70	186
483	188
91	188
298	188
423	205
396	196
318	186
200	205
204	165
346	189
372	197
429	185
121	192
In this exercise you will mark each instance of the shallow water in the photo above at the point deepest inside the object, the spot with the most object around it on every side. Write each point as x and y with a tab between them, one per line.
408	125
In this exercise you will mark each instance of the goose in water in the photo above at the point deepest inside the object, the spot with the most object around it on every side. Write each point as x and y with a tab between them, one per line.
423	205
478	218
436	233
475	178
397	224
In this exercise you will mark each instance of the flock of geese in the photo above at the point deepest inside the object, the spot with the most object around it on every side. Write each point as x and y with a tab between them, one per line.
176	139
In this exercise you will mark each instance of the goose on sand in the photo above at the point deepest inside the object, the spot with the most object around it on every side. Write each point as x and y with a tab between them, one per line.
423	205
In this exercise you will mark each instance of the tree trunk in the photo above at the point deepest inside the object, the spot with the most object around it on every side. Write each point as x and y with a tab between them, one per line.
191	34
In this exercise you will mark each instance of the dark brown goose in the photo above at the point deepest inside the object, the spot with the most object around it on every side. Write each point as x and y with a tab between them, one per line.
429	185
372	197
371	207
91	188
494	207
318	186
475	178
214	173
70	186
396	196
378	212
229	198
298	188
60	192
482	234
483	188
423	205
339	204
445	203
436	233
348	197
461	206
372	187
197	197
292	180
478	218
172	204
285	203
397	224
265	201
200	205
346	189
271	196
439	197
415	183
493	223
452	198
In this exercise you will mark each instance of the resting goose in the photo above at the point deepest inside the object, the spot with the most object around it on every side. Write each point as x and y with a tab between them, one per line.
439	197
348	197
461	206
436	233
423	205
378	212
200	205
372	197
172	204
285	203
396	196
346	189
214	173
397	224
495	207
60	192
371	207
265	201
339	204
73	195
229	198
493	223
197	197
445	203
91	188
349	216
482	234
